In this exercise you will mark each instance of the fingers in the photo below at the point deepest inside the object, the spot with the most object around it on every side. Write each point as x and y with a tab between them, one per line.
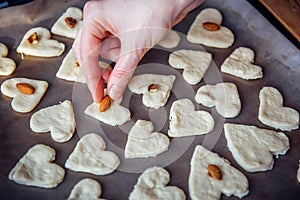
110	48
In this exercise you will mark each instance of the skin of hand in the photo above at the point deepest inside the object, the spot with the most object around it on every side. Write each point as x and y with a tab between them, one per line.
123	31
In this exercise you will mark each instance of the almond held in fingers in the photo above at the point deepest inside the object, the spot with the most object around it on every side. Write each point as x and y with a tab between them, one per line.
214	171
71	22
210	26
32	39
105	103
25	88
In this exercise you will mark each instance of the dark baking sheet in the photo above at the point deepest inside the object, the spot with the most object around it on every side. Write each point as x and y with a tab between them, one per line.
278	57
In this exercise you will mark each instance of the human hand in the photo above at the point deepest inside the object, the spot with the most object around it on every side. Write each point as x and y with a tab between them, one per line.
123	31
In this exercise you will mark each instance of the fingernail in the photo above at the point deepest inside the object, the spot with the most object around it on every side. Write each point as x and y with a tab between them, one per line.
115	92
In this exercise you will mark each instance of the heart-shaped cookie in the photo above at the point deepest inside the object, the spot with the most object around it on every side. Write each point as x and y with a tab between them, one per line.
155	88
171	40
143	143
35	168
185	121
193	63
114	115
273	113
240	64
207	30
58	119
204	182
37	42
298	173
224	96
17	88
86	189
69	23
253	148
152	184
7	65
90	156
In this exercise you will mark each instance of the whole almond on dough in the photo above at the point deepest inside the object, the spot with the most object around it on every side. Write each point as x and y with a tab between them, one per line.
25	88
105	103
214	171
210	26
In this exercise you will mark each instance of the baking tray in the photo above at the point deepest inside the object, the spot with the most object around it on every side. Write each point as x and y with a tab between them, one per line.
278	57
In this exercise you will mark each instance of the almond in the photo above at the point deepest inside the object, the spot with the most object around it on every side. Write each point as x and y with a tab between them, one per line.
32	39
76	64
105	103
25	88
210	26
152	88
214	171
71	22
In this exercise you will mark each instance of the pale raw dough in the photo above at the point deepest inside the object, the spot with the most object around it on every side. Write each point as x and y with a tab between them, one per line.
240	64
114	115
24	103
224	96
193	63
153	99
86	189
253	148
171	40
152	184
143	143
221	38
298	173
35	168
273	113
7	65
185	121
45	46
61	28
58	119
203	186
90	156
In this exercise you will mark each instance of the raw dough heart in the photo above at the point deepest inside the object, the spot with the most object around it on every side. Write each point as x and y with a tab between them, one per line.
170	41
221	38
193	63
152	185
90	156
153	99
35	168
23	102
272	113
298	173
253	148
58	119
185	121
45	47
115	115
240	64
86	189
203	186
7	65
143	143
224	96
61	28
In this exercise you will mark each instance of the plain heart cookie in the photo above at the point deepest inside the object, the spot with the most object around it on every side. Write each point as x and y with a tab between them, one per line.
152	184
7	65
193	63
203	182
90	156
86	189
69	23
298	173
58	119
142	142
155	88
273	113
240	64
170	41
207	30
17	88
35	168
185	121
253	148
224	96
114	115
37	42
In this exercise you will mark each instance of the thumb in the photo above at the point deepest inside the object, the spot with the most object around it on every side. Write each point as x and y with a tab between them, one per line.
122	72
